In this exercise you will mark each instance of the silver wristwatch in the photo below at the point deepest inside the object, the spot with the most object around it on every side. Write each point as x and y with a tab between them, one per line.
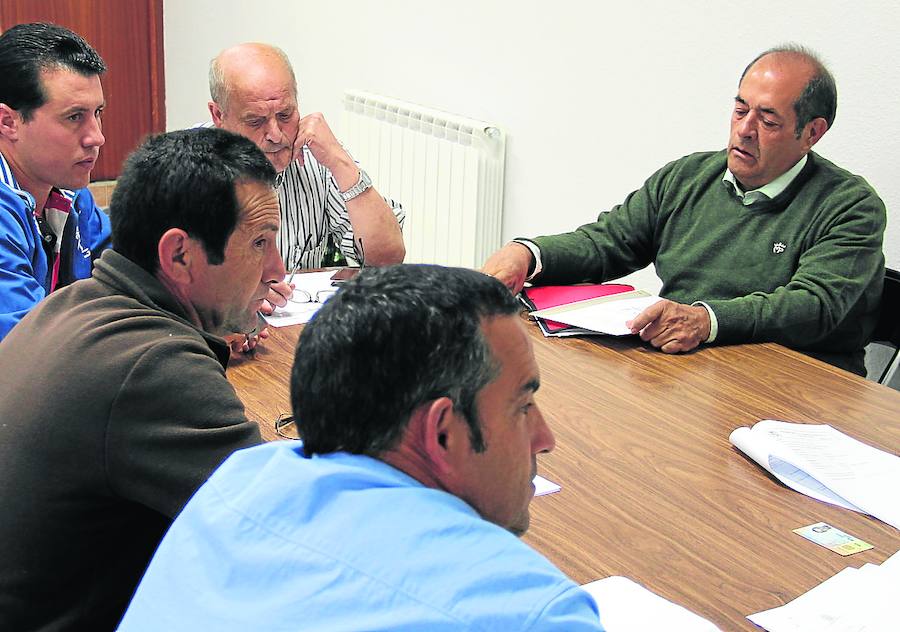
362	185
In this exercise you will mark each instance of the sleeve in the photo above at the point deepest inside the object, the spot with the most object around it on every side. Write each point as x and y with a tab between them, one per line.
339	225
573	610
20	289
621	241
844	261
174	420
93	224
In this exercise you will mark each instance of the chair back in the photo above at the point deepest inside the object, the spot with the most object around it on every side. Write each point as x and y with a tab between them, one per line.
887	331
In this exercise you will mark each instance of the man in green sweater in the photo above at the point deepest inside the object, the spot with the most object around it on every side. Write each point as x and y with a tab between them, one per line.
762	241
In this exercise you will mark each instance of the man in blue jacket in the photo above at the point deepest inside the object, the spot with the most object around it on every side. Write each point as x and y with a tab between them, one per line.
50	136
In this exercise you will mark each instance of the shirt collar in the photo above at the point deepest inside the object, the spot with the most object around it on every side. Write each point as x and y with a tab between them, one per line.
768	191
7	178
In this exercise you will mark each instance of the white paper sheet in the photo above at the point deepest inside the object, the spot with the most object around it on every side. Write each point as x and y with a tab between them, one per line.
543	486
853	600
315	284
626	606
826	464
606	314
759	448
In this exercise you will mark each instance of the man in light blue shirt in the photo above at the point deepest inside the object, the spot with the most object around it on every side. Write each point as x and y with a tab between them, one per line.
413	389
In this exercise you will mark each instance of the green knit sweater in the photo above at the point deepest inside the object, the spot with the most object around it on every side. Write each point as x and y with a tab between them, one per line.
804	269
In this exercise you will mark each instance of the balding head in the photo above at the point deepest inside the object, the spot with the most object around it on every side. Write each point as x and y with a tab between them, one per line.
254	93
240	64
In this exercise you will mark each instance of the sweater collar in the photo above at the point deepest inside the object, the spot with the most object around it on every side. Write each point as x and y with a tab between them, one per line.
130	279
768	191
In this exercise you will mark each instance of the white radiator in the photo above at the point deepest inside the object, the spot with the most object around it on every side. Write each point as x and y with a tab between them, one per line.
446	171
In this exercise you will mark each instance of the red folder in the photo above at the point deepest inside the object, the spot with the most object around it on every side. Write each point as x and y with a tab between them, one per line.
544	296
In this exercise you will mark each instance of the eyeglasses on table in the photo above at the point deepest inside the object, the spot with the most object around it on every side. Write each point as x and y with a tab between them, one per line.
285	427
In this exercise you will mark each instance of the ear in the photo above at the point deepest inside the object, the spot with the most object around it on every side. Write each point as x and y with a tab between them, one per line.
814	132
176	252
445	438
216	113
9	122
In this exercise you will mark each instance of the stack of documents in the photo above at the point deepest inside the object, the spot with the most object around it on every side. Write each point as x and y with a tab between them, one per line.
859	599
601	315
626	606
827	465
552	296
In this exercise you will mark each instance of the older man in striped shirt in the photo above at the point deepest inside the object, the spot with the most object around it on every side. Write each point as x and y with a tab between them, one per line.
323	192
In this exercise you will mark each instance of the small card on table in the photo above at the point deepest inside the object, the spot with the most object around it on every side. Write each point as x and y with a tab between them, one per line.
831	538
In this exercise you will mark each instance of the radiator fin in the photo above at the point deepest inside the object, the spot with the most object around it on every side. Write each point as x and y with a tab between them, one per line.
446	170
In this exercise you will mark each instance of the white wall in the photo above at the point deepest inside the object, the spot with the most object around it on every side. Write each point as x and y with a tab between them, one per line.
595	96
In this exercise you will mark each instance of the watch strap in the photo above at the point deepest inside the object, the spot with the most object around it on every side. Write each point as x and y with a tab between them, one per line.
362	185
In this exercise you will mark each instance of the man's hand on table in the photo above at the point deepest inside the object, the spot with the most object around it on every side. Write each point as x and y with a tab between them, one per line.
672	327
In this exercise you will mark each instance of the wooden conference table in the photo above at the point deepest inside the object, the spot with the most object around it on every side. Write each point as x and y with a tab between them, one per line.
651	487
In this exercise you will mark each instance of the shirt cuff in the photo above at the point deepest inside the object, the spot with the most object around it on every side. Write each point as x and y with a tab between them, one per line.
713	322
536	253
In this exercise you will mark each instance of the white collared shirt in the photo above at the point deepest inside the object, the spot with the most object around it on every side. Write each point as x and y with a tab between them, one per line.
766	191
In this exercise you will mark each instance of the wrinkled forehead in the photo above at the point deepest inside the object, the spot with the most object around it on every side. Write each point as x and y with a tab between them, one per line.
261	83
784	74
261	100
257	202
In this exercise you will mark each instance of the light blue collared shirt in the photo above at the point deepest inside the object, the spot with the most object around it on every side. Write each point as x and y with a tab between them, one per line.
276	540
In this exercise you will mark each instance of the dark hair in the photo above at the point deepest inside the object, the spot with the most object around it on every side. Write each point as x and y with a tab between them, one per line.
28	49
819	98
390	340
183	179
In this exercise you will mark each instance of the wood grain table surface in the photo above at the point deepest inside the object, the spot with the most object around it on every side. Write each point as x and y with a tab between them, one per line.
651	487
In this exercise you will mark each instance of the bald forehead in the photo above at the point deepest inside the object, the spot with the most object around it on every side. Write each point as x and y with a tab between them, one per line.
795	65
252	66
